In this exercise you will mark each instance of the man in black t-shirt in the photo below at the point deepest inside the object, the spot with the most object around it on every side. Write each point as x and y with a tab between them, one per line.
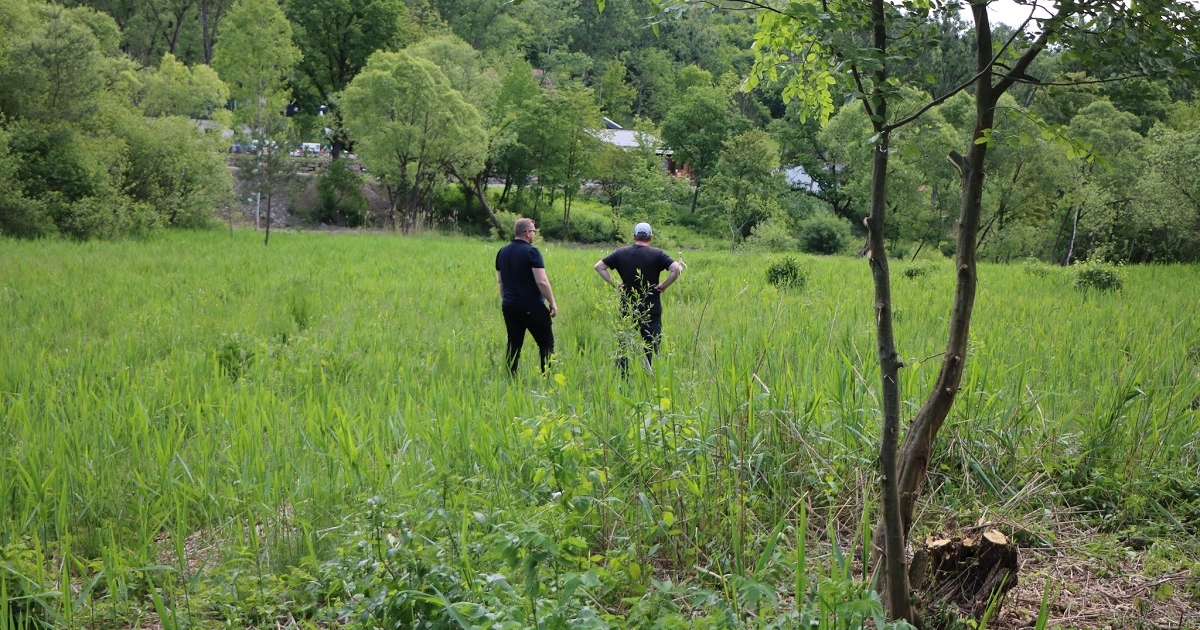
639	266
521	275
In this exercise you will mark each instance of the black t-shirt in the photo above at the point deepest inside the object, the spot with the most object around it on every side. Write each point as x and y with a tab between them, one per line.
639	267
516	262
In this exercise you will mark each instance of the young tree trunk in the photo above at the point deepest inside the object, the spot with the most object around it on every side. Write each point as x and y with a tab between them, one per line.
920	246
1074	231
916	451
895	588
566	214
478	187
267	232
695	195
918	443
507	188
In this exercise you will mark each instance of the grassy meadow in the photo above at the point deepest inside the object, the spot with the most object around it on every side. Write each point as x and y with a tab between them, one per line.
206	432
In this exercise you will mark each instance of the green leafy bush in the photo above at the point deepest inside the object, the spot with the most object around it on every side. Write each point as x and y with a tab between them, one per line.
786	273
340	199
1096	276
898	251
918	270
1036	268
772	235
824	234
585	227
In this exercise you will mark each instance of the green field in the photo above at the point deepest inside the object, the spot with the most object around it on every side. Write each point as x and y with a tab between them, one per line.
211	433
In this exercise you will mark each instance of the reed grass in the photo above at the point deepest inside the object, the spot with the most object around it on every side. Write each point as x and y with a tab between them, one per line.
201	385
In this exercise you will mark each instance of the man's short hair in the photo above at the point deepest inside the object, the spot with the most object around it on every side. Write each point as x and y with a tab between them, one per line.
521	226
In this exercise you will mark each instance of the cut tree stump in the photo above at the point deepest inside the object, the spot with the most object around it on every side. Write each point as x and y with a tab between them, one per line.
967	570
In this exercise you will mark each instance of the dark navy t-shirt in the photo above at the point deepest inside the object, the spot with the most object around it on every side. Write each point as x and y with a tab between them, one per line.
516	262
639	267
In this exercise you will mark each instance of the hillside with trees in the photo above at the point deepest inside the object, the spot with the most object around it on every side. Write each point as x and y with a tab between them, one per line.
1090	159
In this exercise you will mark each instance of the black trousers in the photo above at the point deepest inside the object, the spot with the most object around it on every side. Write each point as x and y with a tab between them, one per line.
538	323
650	328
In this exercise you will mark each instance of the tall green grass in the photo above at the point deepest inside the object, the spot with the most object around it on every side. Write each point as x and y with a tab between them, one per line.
203	388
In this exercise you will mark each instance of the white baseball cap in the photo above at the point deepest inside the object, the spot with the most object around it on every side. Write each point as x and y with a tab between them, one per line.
642	229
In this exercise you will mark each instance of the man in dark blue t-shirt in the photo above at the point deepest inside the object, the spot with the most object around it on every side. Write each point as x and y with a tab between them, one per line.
639	266
521	274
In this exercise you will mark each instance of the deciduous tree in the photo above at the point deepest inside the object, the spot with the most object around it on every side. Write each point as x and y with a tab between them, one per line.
696	129
255	56
337	37
412	128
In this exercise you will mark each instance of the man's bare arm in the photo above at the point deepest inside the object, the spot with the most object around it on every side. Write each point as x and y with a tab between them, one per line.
602	269
675	270
539	275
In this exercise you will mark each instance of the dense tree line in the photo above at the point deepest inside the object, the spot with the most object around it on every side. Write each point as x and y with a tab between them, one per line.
92	143
439	96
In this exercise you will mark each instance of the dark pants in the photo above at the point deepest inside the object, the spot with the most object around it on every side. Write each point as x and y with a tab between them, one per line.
650	328
538	323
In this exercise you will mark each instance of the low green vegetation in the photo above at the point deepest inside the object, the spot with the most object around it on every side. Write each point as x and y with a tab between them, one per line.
786	273
204	432
1096	276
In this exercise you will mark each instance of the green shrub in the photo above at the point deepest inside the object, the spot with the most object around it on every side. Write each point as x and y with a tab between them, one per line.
585	227
918	270
948	248
1036	268
786	273
824	234
772	235
1096	276
25	218
340	199
898	251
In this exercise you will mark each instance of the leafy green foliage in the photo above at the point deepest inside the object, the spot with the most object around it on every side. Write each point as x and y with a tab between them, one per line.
786	273
413	127
173	89
26	597
1095	276
587	226
746	186
916	270
255	56
697	127
823	234
340	197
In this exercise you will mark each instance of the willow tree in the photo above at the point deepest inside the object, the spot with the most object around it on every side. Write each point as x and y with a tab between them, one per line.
817	45
479	85
412	128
